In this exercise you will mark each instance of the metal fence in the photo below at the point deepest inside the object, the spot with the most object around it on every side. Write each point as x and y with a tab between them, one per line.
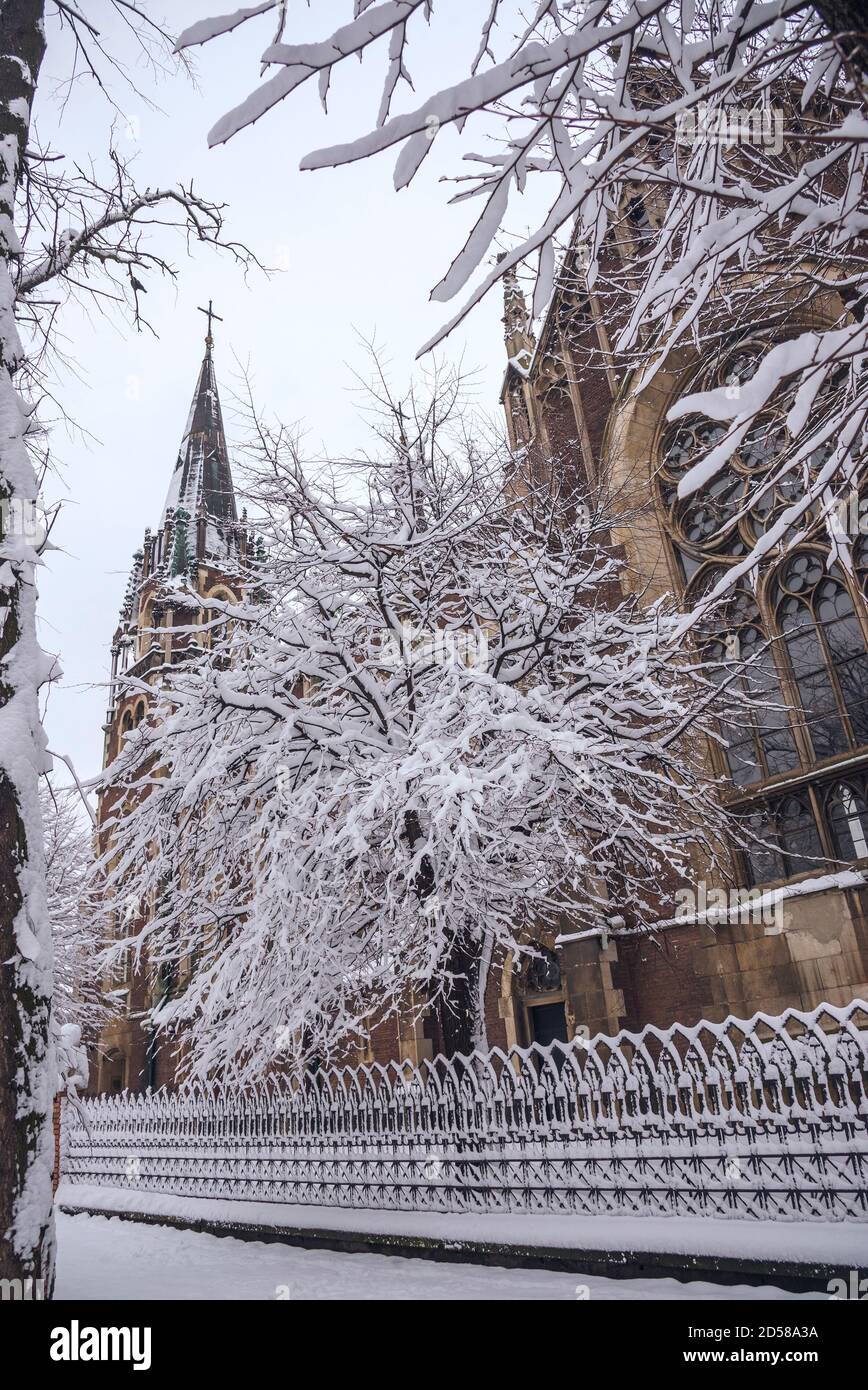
766	1117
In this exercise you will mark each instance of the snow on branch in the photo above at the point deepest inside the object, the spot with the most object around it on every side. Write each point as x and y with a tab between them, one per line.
700	158
443	726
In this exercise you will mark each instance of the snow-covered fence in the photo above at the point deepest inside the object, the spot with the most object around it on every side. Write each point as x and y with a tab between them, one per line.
766	1117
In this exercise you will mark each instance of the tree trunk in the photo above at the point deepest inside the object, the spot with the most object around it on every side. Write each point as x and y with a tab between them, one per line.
26	1070
848	17
461	1012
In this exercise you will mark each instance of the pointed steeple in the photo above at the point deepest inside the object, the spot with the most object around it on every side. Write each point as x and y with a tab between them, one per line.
202	479
516	320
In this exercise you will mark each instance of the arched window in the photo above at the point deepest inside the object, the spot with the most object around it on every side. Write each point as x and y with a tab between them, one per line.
702	525
218	626
847	816
788	841
126	722
542	971
826	652
639	219
797	834
729	513
759	739
147	635
797	622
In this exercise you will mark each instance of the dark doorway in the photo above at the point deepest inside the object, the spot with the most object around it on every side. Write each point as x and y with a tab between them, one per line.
548	1023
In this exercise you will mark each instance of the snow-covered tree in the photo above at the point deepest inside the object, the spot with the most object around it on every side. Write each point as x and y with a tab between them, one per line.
64	232
701	158
439	724
76	913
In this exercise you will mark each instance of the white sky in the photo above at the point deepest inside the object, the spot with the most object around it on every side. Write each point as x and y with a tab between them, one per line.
358	258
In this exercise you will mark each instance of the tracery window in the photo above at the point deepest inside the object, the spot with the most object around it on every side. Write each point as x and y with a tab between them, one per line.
801	625
760	740
788	840
826	652
847	816
822	826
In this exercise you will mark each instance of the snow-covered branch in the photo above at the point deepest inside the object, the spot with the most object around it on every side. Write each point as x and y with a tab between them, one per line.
698	159
92	237
443	727
76	914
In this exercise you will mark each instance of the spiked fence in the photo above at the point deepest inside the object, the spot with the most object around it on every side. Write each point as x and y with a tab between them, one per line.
766	1117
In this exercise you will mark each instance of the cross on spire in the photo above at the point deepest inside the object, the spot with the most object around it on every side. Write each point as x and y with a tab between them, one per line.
209	341
202	478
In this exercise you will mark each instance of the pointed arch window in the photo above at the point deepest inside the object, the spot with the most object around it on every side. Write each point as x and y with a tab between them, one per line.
147	624
790	840
639	219
798	834
801	627
847	816
760	742
826	652
860	560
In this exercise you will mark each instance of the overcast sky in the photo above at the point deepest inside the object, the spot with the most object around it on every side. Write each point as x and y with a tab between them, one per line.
356	258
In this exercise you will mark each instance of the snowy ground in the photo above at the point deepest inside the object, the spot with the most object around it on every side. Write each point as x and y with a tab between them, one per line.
102	1257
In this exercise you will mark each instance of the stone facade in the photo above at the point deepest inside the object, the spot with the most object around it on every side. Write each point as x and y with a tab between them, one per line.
566	399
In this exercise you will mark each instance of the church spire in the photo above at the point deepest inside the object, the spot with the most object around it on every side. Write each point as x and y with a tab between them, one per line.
516	320
202	478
